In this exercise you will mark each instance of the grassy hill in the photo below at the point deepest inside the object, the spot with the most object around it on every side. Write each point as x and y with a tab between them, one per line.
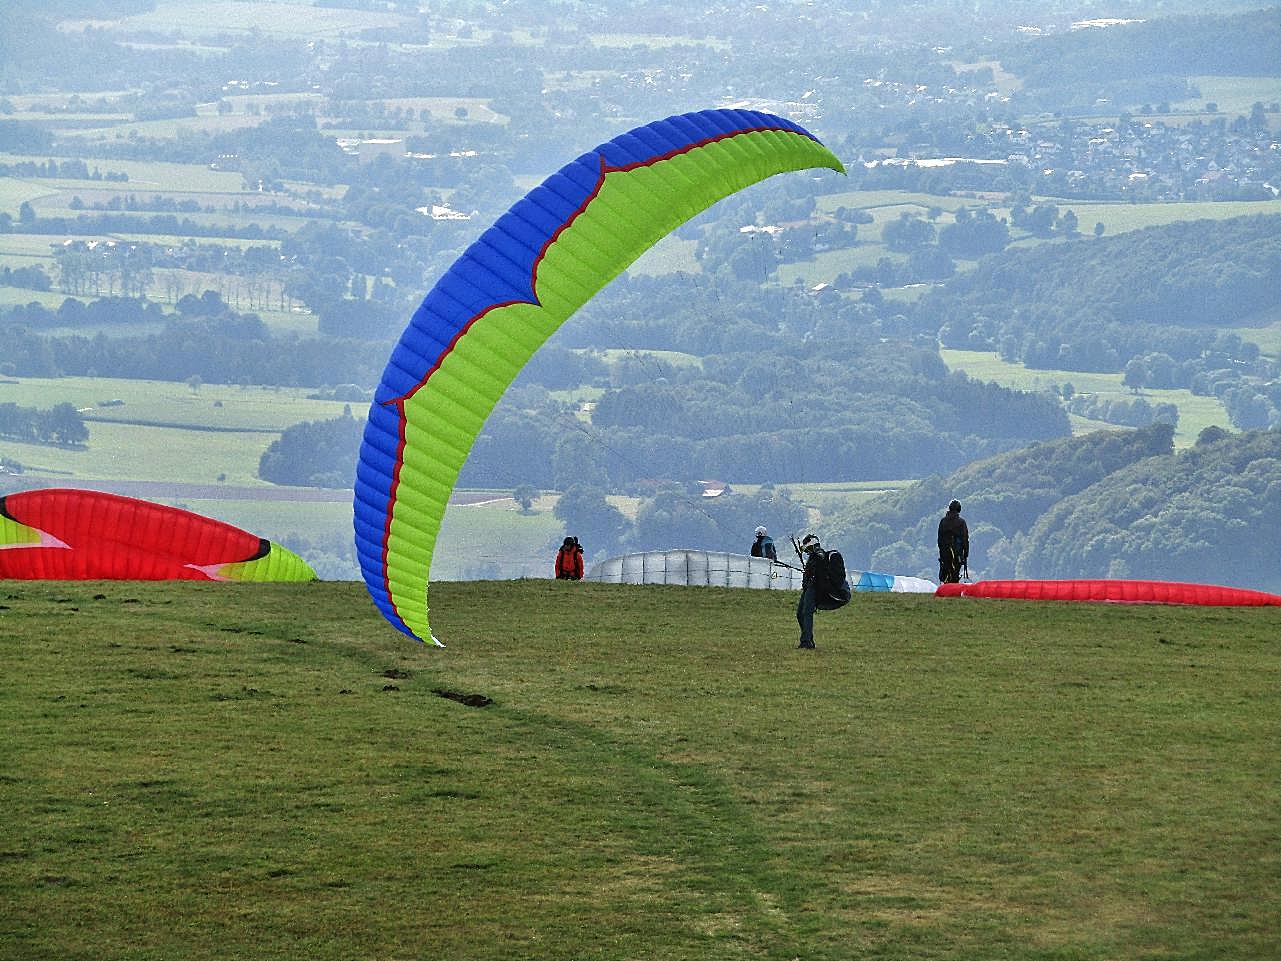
204	771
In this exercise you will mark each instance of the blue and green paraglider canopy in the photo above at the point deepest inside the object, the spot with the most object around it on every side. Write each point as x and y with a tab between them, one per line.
509	292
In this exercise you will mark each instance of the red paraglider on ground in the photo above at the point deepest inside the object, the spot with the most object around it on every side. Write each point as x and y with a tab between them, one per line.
56	534
1114	591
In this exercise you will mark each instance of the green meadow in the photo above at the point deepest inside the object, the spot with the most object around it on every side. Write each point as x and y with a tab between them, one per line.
22	296
1195	412
211	771
162	430
1236	95
270	18
124	452
209	406
146	176
1118	218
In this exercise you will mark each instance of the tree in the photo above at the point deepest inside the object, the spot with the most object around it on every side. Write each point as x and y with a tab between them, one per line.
577	461
907	233
525	495
1041	219
65	425
587	515
1136	374
974	234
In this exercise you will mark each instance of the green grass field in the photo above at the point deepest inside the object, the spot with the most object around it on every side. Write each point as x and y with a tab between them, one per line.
1236	95
887	205
21	296
205	771
1195	413
127	443
670	255
167	402
271	18
128	452
155	176
1268	335
1118	218
14	192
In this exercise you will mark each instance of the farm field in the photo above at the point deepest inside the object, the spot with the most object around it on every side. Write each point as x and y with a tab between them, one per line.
21	296
1120	218
1268	335
152	176
162	431
207	771
1195	413
888	205
270	18
220	406
127	452
1236	95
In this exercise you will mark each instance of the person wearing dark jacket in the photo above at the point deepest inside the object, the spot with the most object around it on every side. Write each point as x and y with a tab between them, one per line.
954	544
569	561
824	586
813	583
763	546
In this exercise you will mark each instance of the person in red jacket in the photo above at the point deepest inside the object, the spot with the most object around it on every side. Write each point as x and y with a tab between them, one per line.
569	561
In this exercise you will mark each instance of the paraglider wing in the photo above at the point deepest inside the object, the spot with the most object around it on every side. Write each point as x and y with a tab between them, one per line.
695	568
59	534
893	583
1115	591
508	293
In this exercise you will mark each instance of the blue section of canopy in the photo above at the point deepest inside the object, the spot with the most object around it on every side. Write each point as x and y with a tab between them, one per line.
872	581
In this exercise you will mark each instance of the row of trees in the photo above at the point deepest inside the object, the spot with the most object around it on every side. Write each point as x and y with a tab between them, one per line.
207	340
1136	412
61	424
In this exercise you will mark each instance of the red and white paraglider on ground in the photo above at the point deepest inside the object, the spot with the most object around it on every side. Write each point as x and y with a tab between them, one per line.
1114	591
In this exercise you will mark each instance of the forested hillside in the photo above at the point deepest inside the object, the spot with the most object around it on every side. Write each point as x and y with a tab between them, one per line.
1166	305
1108	504
1210	513
1096	304
1002	496
1247	43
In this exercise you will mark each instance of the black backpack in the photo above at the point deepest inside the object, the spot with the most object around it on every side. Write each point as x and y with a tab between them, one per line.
833	590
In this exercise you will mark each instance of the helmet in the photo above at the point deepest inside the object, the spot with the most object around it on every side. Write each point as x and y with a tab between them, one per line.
761	532
954	506
809	542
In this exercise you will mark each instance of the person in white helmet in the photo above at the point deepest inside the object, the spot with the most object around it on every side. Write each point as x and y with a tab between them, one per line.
824	586
763	546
